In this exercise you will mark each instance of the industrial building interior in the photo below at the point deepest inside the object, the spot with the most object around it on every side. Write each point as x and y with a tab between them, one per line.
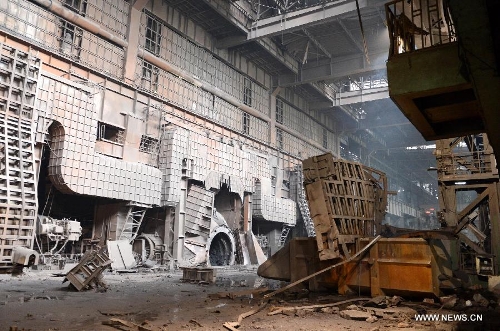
294	135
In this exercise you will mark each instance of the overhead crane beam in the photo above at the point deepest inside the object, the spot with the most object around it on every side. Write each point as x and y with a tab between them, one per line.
298	19
333	69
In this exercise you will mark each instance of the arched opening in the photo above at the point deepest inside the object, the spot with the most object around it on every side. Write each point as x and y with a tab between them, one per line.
59	205
221	250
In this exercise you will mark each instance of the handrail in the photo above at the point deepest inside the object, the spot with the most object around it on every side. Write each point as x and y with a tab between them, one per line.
418	24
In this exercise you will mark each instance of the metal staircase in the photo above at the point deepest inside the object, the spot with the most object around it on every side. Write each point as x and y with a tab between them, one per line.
284	234
302	202
132	224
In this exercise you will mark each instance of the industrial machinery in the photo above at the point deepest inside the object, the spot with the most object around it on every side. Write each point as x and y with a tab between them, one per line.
347	202
55	233
58	230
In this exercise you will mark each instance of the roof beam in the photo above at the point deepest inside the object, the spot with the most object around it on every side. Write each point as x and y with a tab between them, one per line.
347	98
333	69
231	41
267	44
325	91
351	36
317	43
302	18
140	4
284	57
230	12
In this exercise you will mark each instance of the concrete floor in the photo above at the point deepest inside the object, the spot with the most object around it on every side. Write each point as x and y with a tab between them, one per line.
37	300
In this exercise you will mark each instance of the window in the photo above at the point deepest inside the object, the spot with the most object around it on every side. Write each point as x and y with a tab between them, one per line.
149	76
246	123
274	179
111	133
279	138
247	92
78	6
70	35
153	35
279	111
149	145
325	138
71	39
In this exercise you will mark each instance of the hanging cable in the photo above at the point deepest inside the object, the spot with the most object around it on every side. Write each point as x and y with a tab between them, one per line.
362	33
47	200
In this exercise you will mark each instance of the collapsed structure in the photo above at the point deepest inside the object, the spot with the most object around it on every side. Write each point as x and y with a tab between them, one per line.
173	132
347	203
445	91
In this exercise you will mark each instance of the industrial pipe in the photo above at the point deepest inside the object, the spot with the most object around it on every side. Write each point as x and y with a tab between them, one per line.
160	63
81	21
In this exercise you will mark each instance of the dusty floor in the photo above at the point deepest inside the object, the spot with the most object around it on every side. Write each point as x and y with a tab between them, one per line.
39	301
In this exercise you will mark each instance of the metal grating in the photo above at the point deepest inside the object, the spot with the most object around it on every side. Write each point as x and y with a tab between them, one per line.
110	14
302	203
74	164
42	28
186	55
199	206
346	199
19	73
186	96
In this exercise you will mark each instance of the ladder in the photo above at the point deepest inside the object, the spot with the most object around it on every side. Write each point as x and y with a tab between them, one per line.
284	235
303	206
132	224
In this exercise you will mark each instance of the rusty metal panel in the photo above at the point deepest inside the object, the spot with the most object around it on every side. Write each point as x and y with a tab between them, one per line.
347	200
394	266
19	77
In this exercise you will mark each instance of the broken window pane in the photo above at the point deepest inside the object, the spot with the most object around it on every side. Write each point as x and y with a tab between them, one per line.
149	79
246	123
279	111
107	132
149	145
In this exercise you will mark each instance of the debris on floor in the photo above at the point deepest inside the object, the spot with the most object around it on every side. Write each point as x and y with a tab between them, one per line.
88	273
279	310
133	299
234	325
198	275
252	293
383	301
131	326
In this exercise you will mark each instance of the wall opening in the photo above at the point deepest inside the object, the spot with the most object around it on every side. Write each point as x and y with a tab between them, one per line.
229	205
111	133
221	251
